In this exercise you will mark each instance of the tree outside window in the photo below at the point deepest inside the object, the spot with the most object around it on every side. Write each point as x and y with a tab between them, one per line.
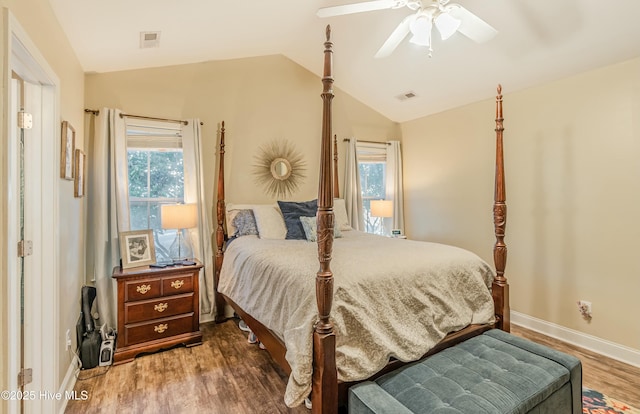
156	177
372	183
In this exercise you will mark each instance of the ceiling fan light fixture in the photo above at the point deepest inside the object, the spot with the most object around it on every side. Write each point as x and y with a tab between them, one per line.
447	25
448	18
421	30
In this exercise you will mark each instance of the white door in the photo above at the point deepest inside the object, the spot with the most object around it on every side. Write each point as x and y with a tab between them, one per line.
32	205
27	222
32	224
16	279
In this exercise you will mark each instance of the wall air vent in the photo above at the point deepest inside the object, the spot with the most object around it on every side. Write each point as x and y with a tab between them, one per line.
149	40
406	95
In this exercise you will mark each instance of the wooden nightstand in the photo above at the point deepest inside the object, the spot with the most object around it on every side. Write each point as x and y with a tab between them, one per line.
157	308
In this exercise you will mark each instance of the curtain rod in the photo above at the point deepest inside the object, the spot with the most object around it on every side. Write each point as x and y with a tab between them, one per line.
154	119
367	142
97	112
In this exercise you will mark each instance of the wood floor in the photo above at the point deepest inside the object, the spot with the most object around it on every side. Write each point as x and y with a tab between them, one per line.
224	375
609	376
227	375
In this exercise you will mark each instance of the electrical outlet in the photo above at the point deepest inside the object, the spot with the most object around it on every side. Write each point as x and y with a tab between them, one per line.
584	307
68	340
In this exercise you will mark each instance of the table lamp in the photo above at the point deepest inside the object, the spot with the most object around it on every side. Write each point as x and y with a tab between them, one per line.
382	209
179	217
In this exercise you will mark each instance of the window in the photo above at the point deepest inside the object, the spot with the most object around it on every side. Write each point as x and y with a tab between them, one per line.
372	166
156	177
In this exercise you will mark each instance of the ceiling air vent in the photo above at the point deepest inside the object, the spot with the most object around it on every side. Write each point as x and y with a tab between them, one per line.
149	39
406	95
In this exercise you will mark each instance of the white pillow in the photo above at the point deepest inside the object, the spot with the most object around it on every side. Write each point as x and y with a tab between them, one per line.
270	222
340	214
268	217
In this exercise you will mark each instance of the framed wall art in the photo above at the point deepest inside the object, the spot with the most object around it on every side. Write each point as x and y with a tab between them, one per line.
137	248
280	168
79	187
67	147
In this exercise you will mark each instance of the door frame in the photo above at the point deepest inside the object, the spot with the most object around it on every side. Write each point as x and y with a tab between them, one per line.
19	54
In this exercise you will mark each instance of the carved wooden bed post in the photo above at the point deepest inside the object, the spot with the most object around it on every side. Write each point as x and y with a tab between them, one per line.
324	394
220	214
500	287
336	187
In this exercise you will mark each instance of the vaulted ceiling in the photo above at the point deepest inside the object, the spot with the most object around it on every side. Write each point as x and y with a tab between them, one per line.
537	42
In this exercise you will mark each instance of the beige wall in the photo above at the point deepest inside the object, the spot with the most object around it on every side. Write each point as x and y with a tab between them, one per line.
39	22
260	99
572	149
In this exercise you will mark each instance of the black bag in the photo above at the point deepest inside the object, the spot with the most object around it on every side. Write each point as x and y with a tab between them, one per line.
91	339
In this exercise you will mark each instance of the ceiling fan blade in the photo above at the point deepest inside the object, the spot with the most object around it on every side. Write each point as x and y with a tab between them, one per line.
395	37
355	8
472	26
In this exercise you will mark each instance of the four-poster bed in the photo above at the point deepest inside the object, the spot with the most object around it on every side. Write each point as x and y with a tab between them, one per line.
481	302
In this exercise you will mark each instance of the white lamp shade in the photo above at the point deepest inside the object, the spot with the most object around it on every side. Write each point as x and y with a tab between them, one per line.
179	216
382	208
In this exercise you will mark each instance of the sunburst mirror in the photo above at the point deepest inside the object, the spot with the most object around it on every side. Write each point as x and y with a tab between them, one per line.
279	168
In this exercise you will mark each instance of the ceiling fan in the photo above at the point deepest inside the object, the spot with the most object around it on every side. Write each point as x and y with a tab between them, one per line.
448	18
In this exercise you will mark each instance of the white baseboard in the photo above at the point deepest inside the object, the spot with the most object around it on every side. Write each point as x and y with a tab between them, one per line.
68	383
601	346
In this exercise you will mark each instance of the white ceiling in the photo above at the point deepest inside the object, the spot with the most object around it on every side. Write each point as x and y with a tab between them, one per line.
538	41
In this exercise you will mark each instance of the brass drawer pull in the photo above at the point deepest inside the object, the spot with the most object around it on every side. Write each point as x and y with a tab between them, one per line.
143	288
177	284
161	328
161	307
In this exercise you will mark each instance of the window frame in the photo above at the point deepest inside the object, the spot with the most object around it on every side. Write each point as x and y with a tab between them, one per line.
150	137
372	153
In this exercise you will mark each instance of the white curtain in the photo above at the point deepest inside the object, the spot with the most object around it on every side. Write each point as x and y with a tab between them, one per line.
107	207
394	184
352	192
194	192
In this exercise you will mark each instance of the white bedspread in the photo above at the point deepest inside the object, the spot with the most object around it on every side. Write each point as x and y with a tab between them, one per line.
392	298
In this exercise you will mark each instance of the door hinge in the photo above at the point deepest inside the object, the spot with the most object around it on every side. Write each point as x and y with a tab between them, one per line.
25	120
25	248
25	376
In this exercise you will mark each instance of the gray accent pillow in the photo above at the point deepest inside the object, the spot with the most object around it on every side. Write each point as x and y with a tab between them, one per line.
245	224
310	226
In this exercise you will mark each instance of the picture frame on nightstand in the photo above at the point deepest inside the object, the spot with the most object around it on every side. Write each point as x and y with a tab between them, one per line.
137	248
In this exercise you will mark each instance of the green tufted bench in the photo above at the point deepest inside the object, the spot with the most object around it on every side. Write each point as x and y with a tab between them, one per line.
495	372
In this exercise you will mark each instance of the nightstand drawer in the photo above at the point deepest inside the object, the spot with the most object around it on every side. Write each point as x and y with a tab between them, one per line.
177	284
142	289
157	308
158	329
